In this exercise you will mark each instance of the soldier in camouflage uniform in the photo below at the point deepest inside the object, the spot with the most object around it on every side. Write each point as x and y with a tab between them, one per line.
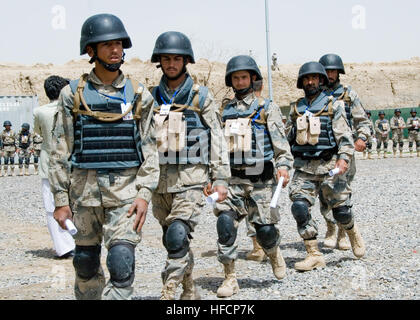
372	136
321	140
104	162
359	123
37	143
8	138
382	129
24	147
413	125
188	127
259	155
397	128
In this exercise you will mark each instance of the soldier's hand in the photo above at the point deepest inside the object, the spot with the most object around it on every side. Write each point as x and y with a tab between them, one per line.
61	214
342	165
207	189
360	145
285	174
139	207
222	191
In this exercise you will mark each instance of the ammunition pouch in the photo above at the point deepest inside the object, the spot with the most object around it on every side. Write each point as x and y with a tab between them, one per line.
238	134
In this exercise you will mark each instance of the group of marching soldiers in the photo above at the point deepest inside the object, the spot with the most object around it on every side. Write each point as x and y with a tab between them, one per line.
24	144
117	146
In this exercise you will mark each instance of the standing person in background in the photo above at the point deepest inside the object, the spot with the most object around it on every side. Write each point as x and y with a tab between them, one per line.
369	144
382	129
8	138
413	125
397	128
63	242
37	143
24	147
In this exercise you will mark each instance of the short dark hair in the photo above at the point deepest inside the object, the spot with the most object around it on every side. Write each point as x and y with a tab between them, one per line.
53	86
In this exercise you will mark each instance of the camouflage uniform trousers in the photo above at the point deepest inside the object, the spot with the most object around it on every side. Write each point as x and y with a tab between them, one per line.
323	203
381	140
336	192
185	206
9	157
413	136
24	157
369	145
248	200
397	140
111	225
37	155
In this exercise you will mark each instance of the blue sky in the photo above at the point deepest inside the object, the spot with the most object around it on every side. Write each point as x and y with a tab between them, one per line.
301	30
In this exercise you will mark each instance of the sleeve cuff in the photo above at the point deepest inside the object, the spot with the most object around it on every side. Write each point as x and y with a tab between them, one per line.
217	183
61	199
345	157
145	194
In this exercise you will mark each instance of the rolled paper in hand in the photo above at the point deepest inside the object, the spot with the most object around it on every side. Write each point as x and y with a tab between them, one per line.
211	199
334	172
275	199
71	228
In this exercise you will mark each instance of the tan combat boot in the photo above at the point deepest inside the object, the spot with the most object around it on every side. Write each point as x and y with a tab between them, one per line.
12	171
418	154
401	154
5	171
370	156
169	290
364	154
20	172
230	285
190	291
357	243
36	169
342	241
257	253
313	260
330	240
411	154
277	263
395	154
385	154
26	171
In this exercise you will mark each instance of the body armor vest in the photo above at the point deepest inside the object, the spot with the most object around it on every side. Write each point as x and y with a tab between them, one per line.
24	140
341	93
105	145
413	121
191	136
326	146
383	125
261	148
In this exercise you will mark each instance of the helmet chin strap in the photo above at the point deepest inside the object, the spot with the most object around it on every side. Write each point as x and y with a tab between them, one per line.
110	67
242	92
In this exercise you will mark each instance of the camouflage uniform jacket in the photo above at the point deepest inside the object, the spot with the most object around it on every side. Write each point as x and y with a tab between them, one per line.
343	137
283	158
181	177
379	130
8	139
96	189
30	141
360	121
395	123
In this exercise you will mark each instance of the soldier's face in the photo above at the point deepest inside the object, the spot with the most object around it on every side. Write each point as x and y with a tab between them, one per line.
110	52
172	65
7	128
332	75
381	116
242	79
413	114
310	83
397	114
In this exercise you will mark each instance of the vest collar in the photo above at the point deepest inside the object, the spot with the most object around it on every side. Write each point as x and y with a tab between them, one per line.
118	83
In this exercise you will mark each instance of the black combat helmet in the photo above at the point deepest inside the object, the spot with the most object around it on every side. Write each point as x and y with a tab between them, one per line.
312	68
240	63
368	112
332	61
413	110
173	42
101	28
381	112
26	126
7	123
397	110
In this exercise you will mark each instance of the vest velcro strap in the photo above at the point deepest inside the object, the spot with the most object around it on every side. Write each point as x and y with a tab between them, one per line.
180	108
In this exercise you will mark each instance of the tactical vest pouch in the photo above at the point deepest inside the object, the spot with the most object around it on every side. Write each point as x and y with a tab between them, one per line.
25	139
161	132
238	134
314	130
302	130
385	126
176	131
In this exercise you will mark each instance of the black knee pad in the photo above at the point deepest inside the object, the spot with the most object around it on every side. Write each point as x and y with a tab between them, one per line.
342	214
121	264
386	145
300	211
402	144
410	144
369	145
6	160
267	235
394	144
20	161
12	160
176	239
36	159
226	228
27	161
86	261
